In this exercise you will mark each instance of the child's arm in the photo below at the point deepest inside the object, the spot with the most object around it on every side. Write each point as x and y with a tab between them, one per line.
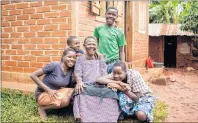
107	79
122	54
132	95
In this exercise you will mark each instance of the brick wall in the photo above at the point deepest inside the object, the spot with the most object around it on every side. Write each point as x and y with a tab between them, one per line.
140	40
33	34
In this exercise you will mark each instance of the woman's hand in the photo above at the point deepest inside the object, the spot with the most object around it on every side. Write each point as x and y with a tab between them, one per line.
125	86
115	87
52	94
79	87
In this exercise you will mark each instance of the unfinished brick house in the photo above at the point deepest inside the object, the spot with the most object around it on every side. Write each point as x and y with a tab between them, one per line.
35	33
171	46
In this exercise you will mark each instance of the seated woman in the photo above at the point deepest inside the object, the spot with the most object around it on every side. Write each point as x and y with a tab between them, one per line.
93	103
52	91
135	97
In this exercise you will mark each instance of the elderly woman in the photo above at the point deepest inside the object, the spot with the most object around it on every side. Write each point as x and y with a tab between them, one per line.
93	103
53	92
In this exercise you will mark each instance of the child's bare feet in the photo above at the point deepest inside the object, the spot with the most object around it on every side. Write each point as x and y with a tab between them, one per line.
42	113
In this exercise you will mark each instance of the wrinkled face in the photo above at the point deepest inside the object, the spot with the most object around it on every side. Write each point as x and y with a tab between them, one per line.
90	46
118	73
75	44
69	59
111	16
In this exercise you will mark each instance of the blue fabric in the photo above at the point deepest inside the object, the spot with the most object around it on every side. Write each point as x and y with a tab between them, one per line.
129	107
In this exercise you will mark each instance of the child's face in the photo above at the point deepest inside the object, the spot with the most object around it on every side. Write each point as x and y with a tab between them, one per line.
69	59
75	44
118	73
111	16
90	46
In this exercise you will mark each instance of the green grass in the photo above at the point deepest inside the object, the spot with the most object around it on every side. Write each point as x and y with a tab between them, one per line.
17	107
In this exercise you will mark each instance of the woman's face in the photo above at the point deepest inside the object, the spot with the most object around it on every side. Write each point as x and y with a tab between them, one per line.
118	73
69	59
90	46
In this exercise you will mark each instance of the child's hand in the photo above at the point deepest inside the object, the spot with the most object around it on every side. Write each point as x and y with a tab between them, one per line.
125	86
114	86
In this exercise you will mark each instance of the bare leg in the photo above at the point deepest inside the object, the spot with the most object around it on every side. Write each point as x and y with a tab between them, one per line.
141	115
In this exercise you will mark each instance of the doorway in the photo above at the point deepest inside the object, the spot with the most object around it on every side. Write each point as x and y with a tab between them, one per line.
170	51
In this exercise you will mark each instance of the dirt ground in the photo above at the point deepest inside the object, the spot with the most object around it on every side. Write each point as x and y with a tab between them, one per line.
181	95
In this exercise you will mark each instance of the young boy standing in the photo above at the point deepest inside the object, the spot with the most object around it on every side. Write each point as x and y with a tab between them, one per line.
74	43
111	39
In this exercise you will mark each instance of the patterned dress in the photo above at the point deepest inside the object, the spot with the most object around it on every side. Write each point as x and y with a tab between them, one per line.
91	108
146	101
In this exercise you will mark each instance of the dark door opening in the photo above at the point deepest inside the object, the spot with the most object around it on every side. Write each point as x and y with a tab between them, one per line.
170	51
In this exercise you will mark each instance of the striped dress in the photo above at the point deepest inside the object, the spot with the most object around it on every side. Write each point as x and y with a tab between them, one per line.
92	108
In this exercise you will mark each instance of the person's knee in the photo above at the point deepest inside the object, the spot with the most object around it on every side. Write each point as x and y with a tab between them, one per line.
65	102
141	115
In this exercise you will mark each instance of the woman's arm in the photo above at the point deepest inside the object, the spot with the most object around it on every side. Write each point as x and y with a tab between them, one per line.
107	79
35	77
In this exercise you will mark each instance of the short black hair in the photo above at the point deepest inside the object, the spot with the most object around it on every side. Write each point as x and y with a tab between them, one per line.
65	52
112	7
120	64
70	39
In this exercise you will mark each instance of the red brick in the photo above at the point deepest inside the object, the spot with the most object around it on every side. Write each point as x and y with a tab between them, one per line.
15	12
22	5
5	24
36	64
43	34
83	27
23	29
59	33
69	21
23	63
5	46
36	40
51	40
37	52
43	9
16	34
59	7
29	70
8	7
29	46
23	40
36	16
51	27
52	53
58	46
56	58
8	29
29	11
59	20
8	41
17	23
65	14
5	57
84	33
5	2
10	18
16	46
50	3
65	26
17	69
17	58
29	34
23	52
44	46
4	13
43	22
36	4
29	58
36	28
63	39
23	17
6	68
30	22
10	63
51	15
43	59
4	35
